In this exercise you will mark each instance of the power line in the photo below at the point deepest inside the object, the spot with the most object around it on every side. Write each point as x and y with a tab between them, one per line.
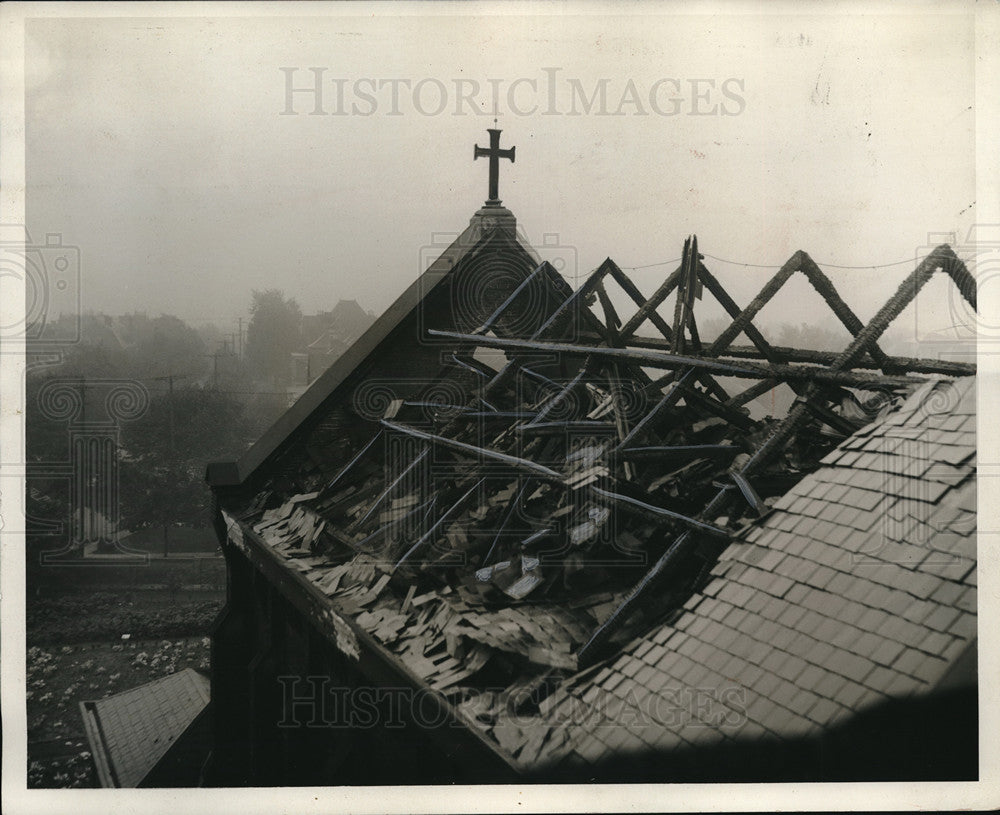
767	266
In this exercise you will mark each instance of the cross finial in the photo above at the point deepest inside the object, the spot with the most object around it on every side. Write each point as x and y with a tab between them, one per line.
494	154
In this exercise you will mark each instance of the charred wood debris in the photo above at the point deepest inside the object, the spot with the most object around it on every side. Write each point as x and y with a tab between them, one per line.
536	516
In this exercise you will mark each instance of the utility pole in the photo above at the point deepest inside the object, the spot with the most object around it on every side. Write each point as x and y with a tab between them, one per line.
215	363
173	447
241	338
169	378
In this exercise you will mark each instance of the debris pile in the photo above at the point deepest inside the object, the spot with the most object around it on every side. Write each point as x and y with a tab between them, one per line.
543	508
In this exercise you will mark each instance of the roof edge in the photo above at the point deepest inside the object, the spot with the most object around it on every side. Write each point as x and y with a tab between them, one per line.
486	223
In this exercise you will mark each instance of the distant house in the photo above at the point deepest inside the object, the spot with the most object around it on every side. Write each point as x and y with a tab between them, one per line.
326	336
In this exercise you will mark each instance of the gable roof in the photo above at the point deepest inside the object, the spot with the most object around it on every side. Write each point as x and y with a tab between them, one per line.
305	511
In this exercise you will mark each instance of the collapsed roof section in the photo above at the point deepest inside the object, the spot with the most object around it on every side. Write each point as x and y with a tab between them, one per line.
559	487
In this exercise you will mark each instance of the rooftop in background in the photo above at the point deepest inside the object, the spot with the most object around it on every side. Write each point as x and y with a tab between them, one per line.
132	731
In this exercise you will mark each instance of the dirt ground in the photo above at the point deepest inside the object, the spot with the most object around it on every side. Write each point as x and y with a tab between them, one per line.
86	657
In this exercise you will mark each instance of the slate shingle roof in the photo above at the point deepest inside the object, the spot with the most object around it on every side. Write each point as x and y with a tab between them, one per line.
860	585
131	731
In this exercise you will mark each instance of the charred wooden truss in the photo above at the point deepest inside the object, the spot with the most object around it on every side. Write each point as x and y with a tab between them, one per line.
573	475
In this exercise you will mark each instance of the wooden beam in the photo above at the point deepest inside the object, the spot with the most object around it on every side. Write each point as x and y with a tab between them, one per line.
693	523
720	367
474	452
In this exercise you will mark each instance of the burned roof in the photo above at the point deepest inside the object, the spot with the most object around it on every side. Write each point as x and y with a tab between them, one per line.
556	521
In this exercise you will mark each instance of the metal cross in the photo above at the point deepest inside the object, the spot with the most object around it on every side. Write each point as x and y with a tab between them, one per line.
494	154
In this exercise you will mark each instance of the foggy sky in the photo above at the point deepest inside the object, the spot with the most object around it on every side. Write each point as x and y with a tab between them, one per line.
158	147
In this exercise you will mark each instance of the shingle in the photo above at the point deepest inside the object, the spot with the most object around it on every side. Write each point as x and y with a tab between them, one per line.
790	545
783	638
717	659
779	585
864	499
757	602
934	642
823	711
849	665
784	693
942	618
839	583
613	681
758	651
646	676
803	526
823	530
791	615
735	617
799	505
820	653
852	612
820	490
881	679
810	622
966	626
663	635
839	534
954	543
631	668
851	693
901	630
955	455
643	647
957	569
821	576
766	684
895	601
866	644
828	630
873	620
946	473
770	560
738	594
830	512
772	608
796	594
947	594
810	677
829	685
803	701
